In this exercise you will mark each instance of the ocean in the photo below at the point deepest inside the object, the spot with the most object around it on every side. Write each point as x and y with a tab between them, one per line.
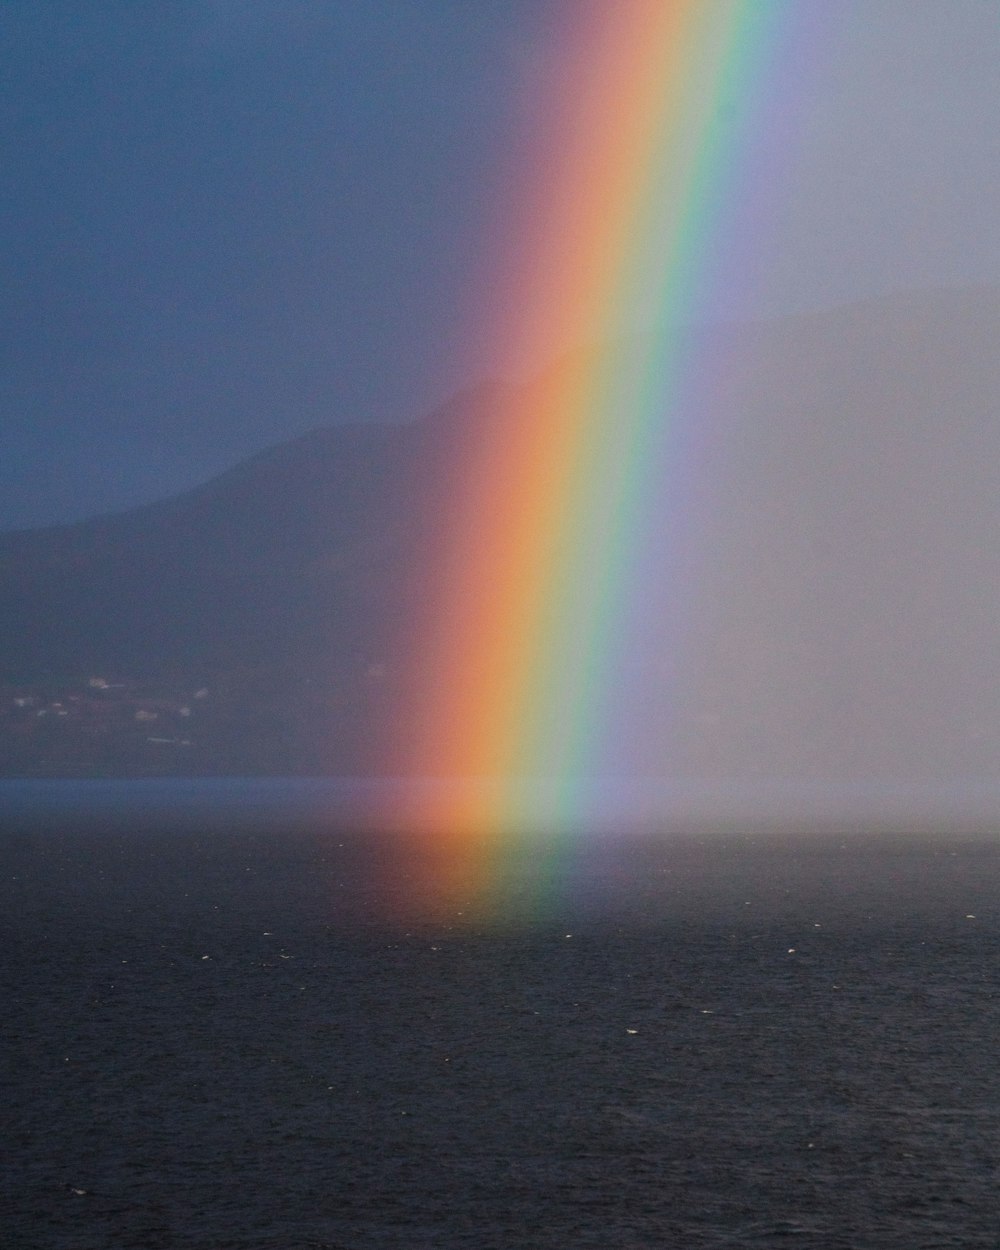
228	1034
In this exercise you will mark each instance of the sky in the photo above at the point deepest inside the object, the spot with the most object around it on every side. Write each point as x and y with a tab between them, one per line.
227	222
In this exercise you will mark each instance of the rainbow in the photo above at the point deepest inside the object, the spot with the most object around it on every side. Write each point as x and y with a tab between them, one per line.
569	511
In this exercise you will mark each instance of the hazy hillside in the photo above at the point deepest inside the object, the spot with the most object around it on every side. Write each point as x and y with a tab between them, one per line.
847	615
854	612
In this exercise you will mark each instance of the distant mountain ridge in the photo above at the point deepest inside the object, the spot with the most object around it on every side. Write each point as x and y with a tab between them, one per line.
850	614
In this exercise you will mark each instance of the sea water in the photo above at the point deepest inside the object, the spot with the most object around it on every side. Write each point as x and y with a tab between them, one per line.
217	1032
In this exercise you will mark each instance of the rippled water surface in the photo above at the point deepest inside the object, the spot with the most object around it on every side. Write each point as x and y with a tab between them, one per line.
222	1040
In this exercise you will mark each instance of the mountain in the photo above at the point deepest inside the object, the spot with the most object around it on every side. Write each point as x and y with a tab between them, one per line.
847	589
856	630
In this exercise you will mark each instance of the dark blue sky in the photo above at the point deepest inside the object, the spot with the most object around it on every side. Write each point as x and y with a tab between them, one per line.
228	221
